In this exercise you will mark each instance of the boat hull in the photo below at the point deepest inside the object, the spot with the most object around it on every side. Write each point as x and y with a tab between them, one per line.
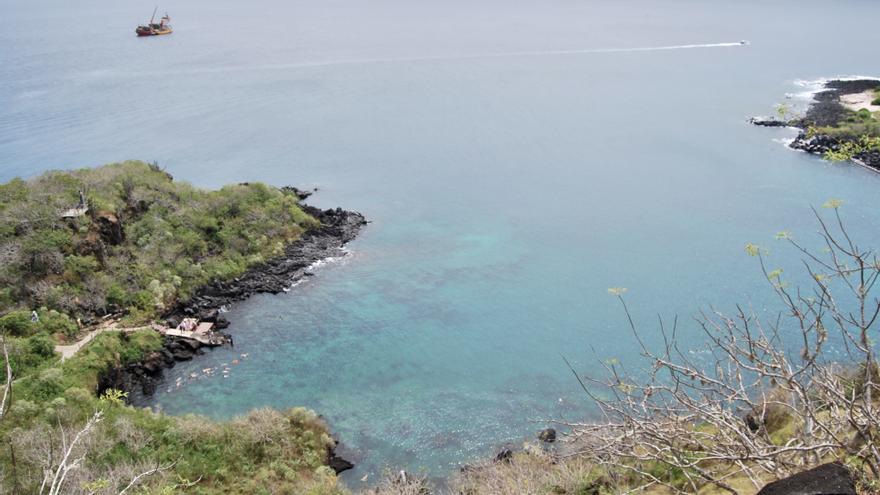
152	32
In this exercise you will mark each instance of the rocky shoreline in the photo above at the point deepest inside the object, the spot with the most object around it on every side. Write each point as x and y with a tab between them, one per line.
338	228
826	109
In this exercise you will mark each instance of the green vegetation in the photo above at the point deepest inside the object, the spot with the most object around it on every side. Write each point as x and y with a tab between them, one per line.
149	242
857	133
146	242
264	452
847	150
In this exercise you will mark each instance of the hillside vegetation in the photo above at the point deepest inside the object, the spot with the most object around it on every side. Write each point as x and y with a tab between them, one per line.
765	398
264	452
146	242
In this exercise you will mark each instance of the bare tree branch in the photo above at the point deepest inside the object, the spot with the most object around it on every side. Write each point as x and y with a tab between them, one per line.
708	415
7	389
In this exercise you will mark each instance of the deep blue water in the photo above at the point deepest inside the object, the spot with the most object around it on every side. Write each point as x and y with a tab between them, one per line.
507	193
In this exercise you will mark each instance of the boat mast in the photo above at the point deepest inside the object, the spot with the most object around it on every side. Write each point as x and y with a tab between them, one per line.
154	14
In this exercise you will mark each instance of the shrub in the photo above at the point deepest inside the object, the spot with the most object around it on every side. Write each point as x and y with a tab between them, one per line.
24	409
143	299
28	354
117	296
79	268
41	345
808	408
77	395
42	253
17	324
52	322
193	234
49	384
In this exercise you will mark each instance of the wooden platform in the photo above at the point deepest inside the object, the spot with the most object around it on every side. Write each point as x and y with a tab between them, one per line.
203	332
75	212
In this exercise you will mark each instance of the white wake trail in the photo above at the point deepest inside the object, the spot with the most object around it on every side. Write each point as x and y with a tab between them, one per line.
437	58
488	55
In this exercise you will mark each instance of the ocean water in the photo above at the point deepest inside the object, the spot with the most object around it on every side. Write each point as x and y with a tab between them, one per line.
516	159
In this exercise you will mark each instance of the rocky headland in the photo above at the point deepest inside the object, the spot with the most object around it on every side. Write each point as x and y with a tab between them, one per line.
840	123
140	379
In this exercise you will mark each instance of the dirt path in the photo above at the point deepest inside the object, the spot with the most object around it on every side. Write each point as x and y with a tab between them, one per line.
67	351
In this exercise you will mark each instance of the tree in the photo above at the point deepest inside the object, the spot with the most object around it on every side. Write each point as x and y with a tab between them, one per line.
753	407
783	111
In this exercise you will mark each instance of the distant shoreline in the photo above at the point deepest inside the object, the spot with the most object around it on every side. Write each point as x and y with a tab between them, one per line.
837	119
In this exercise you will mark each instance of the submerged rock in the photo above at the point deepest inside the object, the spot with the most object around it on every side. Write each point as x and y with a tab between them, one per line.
828	479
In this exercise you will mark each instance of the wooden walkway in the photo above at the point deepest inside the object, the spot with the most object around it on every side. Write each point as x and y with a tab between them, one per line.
202	333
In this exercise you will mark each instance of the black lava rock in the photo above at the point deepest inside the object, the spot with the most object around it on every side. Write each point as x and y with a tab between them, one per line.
768	122
338	464
547	435
505	455
828	479
338	227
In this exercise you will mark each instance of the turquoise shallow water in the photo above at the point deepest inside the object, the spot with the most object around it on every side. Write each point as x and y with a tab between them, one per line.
506	193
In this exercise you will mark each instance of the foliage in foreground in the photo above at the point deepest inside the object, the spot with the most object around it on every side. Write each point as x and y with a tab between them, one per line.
147	242
857	133
749	412
266	451
766	398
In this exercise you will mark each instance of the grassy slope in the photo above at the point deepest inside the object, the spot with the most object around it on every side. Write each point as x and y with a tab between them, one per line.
266	451
177	238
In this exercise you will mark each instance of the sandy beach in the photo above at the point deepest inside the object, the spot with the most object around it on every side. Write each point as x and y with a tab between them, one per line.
859	101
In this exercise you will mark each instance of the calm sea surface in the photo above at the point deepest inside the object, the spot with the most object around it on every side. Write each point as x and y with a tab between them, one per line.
507	193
